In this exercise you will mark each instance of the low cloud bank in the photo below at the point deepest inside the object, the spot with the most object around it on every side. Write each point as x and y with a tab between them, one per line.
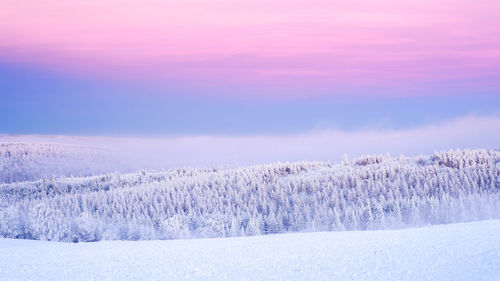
467	132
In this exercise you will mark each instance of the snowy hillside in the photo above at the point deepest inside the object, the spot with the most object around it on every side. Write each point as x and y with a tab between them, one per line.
374	192
469	251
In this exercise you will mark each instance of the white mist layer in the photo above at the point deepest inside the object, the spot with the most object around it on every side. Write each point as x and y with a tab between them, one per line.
133	153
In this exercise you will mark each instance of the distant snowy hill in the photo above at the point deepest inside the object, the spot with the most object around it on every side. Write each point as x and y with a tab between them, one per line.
34	161
373	192
467	251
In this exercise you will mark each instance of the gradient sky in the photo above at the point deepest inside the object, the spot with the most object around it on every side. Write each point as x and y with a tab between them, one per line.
244	67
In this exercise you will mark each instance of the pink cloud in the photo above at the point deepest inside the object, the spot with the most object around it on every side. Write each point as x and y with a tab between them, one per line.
285	44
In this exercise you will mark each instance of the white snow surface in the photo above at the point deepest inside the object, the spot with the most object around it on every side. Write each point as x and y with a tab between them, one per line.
464	251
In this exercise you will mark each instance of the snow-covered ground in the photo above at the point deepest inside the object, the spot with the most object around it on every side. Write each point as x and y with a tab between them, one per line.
466	251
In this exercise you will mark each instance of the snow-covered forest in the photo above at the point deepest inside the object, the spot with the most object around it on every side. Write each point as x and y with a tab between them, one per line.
372	192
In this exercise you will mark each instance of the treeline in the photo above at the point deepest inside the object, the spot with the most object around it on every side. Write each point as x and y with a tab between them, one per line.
373	192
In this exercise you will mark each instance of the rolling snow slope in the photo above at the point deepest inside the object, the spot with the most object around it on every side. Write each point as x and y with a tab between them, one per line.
466	251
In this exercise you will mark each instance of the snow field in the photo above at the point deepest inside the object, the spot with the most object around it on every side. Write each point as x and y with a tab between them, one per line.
464	251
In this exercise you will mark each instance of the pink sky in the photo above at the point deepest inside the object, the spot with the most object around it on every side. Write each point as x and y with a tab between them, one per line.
262	44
